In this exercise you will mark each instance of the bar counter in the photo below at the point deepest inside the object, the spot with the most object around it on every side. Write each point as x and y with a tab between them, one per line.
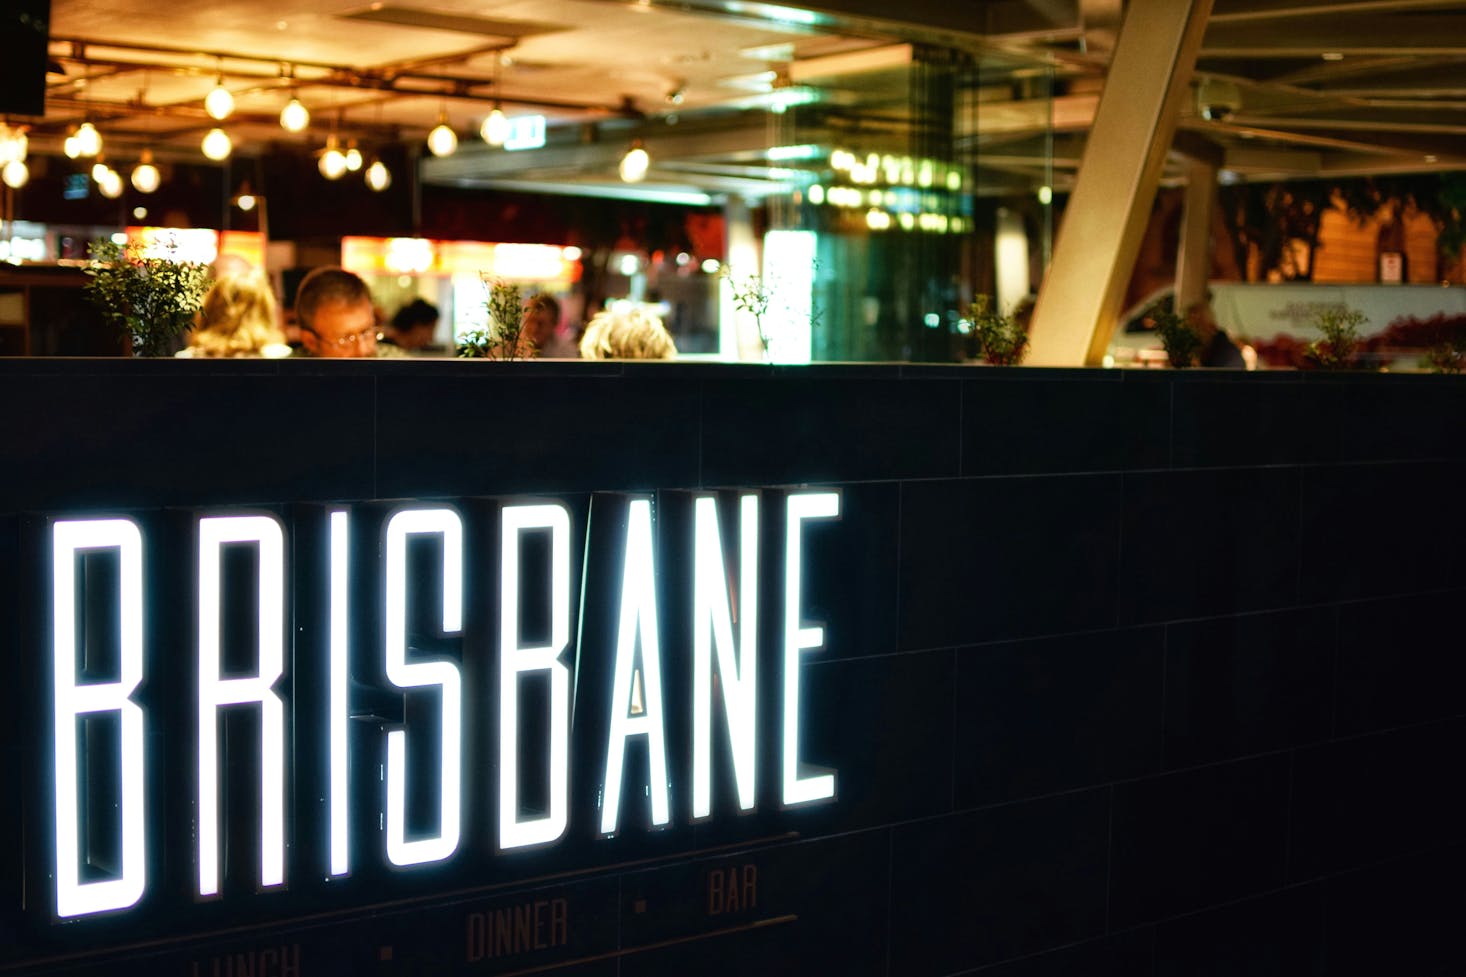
1120	672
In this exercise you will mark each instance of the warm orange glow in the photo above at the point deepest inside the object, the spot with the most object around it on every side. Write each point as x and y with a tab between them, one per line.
403	256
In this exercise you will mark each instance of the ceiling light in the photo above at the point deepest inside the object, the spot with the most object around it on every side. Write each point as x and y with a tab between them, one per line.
88	140
1333	56
1046	195
353	157
333	162
377	176
110	184
217	145
442	141
635	163
100	170
219	103
495	128
246	201
15	174
71	147
294	116
13	144
145	176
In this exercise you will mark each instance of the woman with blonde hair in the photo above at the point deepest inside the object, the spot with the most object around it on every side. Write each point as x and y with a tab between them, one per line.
238	318
629	335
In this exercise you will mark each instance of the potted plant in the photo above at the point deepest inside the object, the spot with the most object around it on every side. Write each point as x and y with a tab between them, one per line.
1340	327
1001	337
1180	341
152	298
505	338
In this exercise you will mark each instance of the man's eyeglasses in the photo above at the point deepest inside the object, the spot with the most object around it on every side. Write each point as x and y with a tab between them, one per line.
349	340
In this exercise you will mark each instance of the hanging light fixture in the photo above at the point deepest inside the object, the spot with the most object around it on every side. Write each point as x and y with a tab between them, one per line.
110	184
332	163
378	177
495	128
219	103
15	174
71	147
353	157
294	116
13	144
217	145
635	163
145	176
100	170
88	140
442	141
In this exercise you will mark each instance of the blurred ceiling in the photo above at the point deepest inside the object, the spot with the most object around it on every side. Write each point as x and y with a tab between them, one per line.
1293	88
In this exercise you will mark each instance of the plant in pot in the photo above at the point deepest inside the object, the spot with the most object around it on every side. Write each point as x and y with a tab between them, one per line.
153	298
1180	341
1340	343
505	338
1002	337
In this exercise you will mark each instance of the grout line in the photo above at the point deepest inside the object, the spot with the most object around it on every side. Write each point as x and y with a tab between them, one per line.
1109	858
890	892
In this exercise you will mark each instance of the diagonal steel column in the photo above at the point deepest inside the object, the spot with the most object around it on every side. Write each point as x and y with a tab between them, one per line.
1149	77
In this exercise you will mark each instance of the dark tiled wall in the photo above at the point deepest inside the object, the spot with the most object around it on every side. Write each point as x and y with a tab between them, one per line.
1137	673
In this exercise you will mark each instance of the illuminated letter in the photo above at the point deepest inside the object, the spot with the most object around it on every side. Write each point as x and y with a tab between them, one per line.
712	626
214	692
73	896
638	614
339	677
822	505
443	674
514	661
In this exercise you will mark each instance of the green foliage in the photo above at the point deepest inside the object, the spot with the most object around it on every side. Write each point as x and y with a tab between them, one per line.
505	338
1180	341
1340	327
153	300
1002	338
752	294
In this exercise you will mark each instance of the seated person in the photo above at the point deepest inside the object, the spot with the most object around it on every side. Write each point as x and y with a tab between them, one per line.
413	326
1217	348
630	335
238	318
335	314
542	326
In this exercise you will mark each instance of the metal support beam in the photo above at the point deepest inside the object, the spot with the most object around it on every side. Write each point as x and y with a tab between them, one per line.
1193	262
1105	220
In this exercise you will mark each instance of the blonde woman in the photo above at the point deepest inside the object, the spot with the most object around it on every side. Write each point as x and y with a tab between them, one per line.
238	318
629	335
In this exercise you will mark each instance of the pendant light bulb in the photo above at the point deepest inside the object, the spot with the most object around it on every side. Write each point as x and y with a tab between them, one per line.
88	140
15	174
378	177
72	147
294	116
635	164
495	129
353	157
219	103
99	171
110	184
145	176
333	162
217	145
442	141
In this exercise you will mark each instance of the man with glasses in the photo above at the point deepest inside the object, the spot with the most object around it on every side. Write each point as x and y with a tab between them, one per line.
334	312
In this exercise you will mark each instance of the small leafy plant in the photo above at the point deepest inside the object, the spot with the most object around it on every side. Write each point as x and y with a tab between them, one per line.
152	298
1002	337
505	338
1180	341
752	294
1340	327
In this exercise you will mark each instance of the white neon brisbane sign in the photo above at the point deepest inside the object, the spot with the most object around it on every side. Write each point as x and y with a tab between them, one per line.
73	700
638	617
417	675
265	534
723	657
515	660
737	666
